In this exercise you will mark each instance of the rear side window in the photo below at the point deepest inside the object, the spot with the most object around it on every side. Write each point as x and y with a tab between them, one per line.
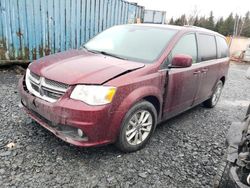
222	47
186	45
207	47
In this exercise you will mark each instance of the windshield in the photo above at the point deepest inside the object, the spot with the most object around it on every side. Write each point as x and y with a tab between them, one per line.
137	43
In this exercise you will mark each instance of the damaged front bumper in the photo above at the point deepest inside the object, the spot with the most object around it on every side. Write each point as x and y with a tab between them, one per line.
71	120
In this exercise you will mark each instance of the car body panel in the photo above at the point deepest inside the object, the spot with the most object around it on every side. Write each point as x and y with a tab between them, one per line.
79	66
181	90
210	73
72	113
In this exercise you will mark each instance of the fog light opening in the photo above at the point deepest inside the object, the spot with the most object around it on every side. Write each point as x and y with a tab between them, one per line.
80	133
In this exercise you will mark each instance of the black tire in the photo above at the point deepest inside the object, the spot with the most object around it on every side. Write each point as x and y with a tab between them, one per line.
221	180
210	103
122	142
248	111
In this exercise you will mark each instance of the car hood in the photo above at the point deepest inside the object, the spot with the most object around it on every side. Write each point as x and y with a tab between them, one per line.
79	66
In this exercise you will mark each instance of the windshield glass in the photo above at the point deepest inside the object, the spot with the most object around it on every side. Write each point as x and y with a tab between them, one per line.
137	43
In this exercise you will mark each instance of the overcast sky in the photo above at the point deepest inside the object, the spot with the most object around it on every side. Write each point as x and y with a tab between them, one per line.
175	8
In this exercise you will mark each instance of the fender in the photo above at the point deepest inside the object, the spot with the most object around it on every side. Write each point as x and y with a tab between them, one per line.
129	101
138	95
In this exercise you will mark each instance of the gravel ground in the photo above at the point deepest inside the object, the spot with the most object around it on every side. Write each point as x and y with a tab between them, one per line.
184	151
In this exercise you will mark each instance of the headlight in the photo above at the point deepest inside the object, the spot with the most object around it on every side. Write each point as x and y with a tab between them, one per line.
27	82
93	95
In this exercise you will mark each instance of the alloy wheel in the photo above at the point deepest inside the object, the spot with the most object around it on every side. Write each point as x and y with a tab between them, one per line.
139	127
217	94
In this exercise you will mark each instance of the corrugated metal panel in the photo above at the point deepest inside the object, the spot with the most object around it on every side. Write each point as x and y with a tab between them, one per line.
30	29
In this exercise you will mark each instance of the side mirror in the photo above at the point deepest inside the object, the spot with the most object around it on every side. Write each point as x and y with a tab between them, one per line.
181	61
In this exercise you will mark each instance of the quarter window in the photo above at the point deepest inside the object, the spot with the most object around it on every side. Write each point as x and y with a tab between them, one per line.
207	47
187	46
222	47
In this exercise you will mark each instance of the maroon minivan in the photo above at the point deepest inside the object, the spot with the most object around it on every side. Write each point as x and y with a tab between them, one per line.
123	82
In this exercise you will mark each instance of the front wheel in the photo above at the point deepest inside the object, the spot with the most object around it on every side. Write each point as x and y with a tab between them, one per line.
213	100
137	127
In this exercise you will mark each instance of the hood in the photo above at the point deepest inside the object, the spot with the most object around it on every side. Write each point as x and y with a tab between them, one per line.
82	67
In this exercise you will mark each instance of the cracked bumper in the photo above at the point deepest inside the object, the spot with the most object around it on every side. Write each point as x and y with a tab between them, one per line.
94	121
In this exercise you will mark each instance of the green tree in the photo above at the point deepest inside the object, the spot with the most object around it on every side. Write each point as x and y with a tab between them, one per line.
196	21
171	22
181	21
246	25
228	26
207	23
219	25
202	22
237	24
210	22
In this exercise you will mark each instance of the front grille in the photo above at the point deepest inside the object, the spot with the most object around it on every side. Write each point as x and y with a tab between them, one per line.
56	84
52	93
35	76
44	88
35	87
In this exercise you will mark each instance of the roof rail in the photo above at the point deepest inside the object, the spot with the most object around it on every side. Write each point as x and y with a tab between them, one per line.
192	26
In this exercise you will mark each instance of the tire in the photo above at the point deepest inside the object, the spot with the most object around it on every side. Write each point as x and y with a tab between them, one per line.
135	129
221	179
248	111
213	100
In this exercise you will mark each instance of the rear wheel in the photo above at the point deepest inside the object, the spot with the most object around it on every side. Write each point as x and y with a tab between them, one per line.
248	111
137	127
213	100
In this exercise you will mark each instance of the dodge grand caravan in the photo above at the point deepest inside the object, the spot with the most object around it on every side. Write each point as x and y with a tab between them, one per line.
123	82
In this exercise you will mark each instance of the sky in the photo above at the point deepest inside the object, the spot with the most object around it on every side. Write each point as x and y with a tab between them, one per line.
175	8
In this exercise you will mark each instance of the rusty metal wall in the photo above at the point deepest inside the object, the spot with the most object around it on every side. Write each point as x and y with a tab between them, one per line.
30	29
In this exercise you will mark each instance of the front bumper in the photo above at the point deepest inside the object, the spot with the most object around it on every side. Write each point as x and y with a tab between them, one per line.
94	121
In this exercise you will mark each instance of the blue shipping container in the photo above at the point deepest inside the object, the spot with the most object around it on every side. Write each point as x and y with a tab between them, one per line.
30	29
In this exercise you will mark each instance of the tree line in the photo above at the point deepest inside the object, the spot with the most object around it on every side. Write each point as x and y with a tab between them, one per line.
233	25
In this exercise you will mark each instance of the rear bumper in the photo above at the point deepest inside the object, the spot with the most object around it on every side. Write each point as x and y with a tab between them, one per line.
94	121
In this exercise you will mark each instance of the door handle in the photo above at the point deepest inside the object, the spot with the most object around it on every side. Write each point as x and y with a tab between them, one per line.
204	70
196	72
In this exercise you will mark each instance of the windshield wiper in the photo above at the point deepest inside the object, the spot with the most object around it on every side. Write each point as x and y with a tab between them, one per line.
110	54
104	53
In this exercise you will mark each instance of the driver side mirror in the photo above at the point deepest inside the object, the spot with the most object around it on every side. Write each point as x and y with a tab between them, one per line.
181	61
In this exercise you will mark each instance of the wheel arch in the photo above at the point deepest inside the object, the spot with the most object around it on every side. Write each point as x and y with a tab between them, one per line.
151	94
223	79
155	101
